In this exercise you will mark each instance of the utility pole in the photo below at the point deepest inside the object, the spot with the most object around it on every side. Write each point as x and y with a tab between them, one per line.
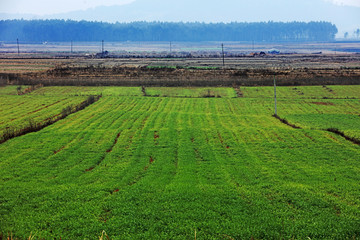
18	47
275	95
71	46
223	54
170	47
102	46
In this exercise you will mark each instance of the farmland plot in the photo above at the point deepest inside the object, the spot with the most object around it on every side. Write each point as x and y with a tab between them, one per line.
342	115
194	92
170	168
86	91
317	107
17	111
304	92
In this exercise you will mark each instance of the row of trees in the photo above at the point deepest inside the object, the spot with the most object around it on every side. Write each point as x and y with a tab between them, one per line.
67	30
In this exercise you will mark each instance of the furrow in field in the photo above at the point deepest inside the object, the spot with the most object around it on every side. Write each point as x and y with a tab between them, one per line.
136	167
124	118
47	106
284	121
118	111
340	133
160	148
181	125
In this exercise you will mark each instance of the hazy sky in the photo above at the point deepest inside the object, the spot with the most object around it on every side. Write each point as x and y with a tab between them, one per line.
355	3
344	13
45	7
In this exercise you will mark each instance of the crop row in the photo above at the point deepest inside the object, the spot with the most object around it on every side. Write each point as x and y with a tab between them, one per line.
140	167
138	91
86	91
17	111
304	92
191	92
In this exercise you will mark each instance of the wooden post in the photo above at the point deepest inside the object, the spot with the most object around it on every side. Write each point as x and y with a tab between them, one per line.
223	54
275	95
18	47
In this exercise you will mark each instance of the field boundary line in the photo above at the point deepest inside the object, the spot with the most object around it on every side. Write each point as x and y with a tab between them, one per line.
284	121
342	134
332	130
29	89
109	150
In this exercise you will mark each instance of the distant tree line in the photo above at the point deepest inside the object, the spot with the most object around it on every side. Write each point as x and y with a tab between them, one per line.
68	30
356	34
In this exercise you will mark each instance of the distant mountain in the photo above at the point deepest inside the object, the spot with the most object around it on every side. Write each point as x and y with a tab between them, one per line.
346	18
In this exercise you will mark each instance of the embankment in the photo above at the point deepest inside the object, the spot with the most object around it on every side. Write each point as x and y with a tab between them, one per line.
143	76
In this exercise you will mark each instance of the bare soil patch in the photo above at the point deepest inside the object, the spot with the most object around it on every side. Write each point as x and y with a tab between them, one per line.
290	70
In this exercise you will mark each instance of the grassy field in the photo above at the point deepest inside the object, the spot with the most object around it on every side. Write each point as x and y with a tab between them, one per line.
17	112
190	92
176	164
304	92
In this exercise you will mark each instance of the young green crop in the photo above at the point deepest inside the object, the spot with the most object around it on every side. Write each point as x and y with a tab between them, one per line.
86	91
304	92
11	90
18	111
163	168
191	92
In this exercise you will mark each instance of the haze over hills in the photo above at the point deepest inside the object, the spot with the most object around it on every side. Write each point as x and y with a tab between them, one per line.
346	18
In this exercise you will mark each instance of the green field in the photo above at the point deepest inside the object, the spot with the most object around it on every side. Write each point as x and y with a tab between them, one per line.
178	165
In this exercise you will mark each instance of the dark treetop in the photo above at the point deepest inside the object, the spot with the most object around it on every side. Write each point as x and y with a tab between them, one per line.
67	30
